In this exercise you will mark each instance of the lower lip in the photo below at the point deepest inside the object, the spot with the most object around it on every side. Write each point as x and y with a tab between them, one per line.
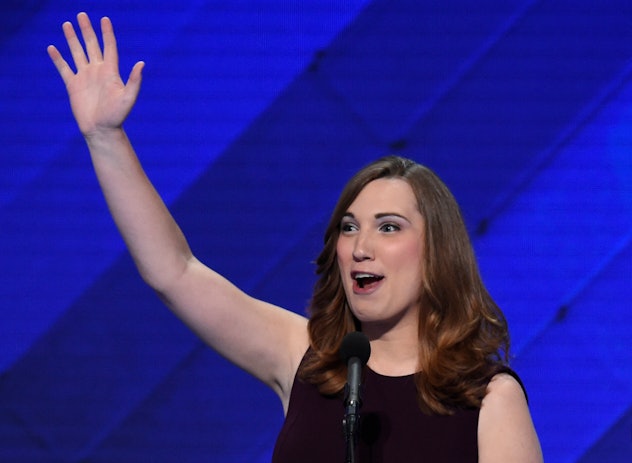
367	289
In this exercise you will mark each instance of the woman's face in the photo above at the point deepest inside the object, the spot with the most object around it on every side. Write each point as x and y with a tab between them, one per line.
380	254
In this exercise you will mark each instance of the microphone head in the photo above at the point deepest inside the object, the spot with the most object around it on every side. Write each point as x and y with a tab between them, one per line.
355	344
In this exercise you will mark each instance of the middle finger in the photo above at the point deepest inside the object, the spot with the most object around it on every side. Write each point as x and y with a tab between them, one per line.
89	38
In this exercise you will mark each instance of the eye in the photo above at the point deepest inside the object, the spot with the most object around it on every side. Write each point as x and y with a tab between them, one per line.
348	227
389	227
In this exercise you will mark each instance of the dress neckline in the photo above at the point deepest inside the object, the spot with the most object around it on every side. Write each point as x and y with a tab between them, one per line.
380	375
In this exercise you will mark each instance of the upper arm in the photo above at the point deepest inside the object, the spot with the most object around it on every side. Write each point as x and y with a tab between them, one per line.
505	429
264	340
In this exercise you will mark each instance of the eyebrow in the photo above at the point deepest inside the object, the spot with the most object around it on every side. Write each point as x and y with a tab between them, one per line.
379	215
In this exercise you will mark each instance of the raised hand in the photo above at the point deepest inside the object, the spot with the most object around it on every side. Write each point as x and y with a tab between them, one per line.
99	99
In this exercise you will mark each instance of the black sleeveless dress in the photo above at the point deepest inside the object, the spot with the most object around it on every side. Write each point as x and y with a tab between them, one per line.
392	427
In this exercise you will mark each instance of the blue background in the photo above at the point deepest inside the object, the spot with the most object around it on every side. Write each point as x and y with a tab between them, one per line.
252	116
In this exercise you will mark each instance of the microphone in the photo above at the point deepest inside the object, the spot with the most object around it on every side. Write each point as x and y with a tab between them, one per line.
355	351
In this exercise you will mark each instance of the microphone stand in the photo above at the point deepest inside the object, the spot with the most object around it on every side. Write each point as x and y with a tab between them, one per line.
355	350
353	402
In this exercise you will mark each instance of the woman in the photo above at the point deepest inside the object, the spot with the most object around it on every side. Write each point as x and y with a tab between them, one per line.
397	265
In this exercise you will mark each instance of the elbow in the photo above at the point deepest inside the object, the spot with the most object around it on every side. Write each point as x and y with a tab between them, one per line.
165	278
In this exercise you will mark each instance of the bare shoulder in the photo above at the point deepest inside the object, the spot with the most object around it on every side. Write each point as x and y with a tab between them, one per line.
503	386
505	428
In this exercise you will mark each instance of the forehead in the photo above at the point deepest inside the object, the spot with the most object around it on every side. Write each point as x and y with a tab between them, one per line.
386	195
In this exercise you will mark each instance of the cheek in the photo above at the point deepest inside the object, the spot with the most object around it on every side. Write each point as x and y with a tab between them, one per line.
413	256
343	253
340	260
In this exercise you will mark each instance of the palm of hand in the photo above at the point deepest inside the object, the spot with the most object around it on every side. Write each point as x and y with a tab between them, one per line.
98	97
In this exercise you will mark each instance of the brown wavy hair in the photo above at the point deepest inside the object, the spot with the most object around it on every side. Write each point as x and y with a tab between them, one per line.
463	335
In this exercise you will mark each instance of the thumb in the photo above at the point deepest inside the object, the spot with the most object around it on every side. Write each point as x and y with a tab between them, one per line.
134	79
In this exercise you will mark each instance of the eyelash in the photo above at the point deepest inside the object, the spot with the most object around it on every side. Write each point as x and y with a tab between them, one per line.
347	227
392	226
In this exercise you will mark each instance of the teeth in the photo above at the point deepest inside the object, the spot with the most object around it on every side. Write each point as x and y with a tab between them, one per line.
364	275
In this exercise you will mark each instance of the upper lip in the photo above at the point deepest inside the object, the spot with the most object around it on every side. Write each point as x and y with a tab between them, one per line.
363	274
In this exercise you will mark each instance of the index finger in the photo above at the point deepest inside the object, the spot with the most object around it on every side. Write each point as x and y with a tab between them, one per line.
110	52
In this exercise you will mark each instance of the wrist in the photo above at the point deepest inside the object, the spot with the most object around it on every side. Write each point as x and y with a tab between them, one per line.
104	136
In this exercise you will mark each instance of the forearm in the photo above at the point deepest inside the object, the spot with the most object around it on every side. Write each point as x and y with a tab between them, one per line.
153	238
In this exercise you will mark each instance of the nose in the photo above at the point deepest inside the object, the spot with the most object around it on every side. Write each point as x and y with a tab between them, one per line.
362	248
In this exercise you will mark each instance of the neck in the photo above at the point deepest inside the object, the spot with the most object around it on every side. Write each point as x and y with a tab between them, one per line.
394	353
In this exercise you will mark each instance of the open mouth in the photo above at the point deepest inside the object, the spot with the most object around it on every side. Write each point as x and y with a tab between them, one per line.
366	279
